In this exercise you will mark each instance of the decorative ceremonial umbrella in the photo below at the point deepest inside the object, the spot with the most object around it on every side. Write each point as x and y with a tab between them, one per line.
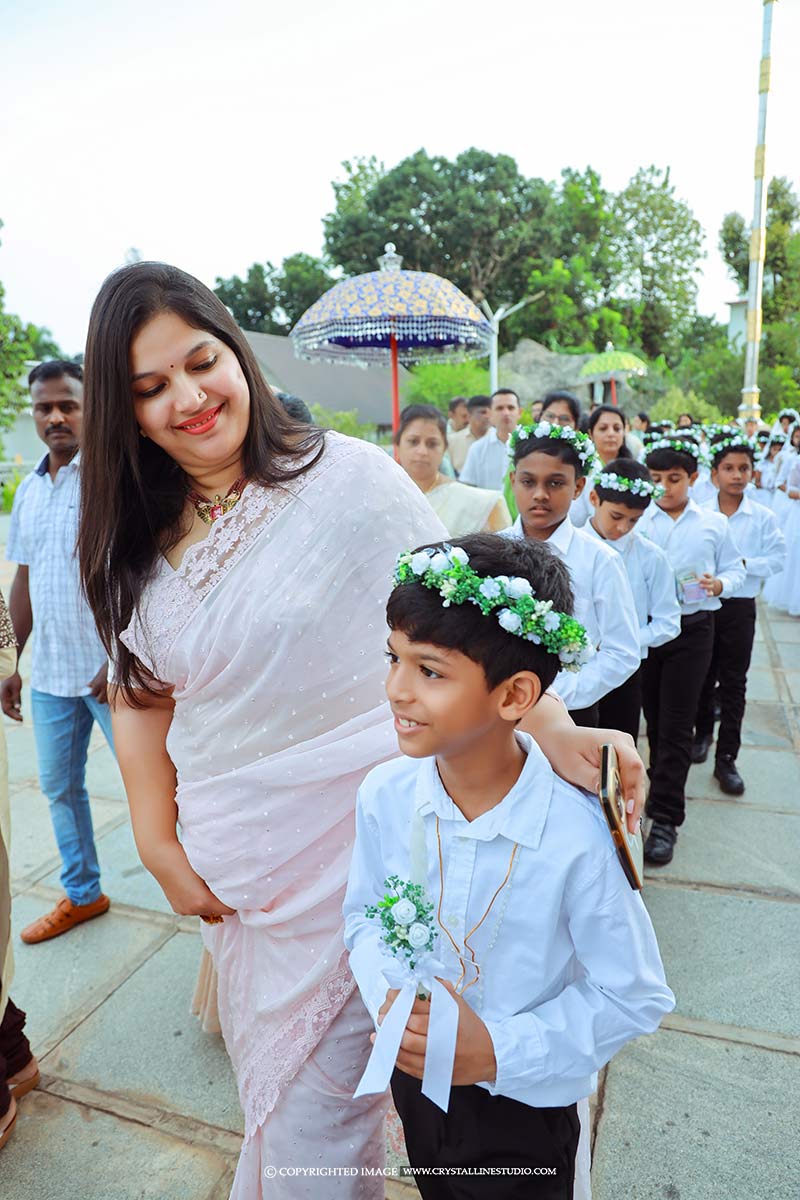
612	366
395	316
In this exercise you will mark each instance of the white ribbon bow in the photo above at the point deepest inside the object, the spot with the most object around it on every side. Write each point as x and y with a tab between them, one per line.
440	1051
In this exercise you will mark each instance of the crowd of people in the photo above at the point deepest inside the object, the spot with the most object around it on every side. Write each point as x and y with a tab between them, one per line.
209	577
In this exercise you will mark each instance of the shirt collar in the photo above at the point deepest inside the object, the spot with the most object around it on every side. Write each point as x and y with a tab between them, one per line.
43	465
560	539
521	814
620	545
745	507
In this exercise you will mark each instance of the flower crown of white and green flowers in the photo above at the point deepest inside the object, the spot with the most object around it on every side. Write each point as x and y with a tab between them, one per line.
636	487
681	445
446	570
581	443
737	442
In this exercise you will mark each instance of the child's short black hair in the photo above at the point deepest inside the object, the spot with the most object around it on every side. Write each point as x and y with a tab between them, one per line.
418	611
682	454
626	468
560	448
718	452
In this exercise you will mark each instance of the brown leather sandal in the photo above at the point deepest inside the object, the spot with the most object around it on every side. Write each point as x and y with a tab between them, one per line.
18	1090
9	1129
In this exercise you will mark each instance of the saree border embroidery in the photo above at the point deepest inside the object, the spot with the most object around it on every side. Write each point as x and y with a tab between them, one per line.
172	597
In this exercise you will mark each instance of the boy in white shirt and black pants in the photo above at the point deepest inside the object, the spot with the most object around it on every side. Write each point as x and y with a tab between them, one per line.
551	463
548	952
761	543
621	494
706	565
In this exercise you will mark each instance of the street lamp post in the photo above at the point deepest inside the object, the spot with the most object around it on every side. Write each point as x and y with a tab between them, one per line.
495	318
750	405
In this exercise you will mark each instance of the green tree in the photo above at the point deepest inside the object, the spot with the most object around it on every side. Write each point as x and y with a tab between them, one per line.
271	299
781	298
476	220
301	280
675	401
438	383
658	245
252	300
344	421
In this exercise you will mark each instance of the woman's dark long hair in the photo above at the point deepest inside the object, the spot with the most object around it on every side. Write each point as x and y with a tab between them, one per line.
597	413
133	495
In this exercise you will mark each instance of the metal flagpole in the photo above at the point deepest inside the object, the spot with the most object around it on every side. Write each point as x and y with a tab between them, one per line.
750	406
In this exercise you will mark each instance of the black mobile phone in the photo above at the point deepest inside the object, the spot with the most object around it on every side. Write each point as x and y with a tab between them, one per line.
629	849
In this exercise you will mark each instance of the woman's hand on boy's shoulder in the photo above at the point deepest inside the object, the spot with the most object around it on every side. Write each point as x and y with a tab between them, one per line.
474	1060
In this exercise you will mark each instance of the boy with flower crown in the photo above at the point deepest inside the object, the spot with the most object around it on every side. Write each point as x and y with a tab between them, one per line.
548	953
550	466
706	566
620	494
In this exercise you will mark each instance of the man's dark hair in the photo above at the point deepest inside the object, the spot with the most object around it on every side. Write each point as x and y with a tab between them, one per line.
454	403
559	448
420	412
719	452
479	402
572	402
689	415
667	459
296	408
56	368
626	468
418	611
501	391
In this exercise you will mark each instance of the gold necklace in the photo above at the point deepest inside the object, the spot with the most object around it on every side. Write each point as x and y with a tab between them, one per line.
475	928
210	510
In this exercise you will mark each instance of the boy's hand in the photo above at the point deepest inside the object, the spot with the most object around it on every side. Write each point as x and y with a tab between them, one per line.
474	1060
710	585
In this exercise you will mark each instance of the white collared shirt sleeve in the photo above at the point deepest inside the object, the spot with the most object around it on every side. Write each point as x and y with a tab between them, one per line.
469	472
16	550
731	570
772	548
618	655
663	608
361	934
622	994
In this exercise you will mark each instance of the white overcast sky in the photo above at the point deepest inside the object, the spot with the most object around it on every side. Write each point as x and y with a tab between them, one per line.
207	134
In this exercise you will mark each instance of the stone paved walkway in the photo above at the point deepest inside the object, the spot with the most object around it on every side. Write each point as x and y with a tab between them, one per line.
136	1102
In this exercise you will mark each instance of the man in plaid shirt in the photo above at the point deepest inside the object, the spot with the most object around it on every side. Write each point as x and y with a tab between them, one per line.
68	668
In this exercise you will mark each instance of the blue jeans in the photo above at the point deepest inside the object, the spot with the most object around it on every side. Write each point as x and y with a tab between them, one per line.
62	726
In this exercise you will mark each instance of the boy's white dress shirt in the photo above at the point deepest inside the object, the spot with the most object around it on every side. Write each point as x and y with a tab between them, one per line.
698	542
759	540
603	604
653	586
487	463
569	964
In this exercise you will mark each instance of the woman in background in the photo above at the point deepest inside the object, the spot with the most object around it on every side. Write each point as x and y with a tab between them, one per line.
421	445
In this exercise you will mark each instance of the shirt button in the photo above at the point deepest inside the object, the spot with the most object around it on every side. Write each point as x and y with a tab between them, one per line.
453	920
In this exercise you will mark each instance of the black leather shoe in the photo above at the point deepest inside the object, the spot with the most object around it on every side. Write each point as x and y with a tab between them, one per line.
700	749
729	779
660	844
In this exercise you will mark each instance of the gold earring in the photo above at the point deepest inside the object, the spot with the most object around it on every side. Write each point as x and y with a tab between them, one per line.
142	433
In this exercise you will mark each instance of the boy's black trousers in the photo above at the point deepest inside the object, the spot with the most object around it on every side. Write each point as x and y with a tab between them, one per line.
481	1130
672	679
622	708
734	631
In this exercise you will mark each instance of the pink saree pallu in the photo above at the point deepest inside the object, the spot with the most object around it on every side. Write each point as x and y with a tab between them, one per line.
272	633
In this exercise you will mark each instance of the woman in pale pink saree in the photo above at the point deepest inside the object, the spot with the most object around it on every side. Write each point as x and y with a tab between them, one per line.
248	657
